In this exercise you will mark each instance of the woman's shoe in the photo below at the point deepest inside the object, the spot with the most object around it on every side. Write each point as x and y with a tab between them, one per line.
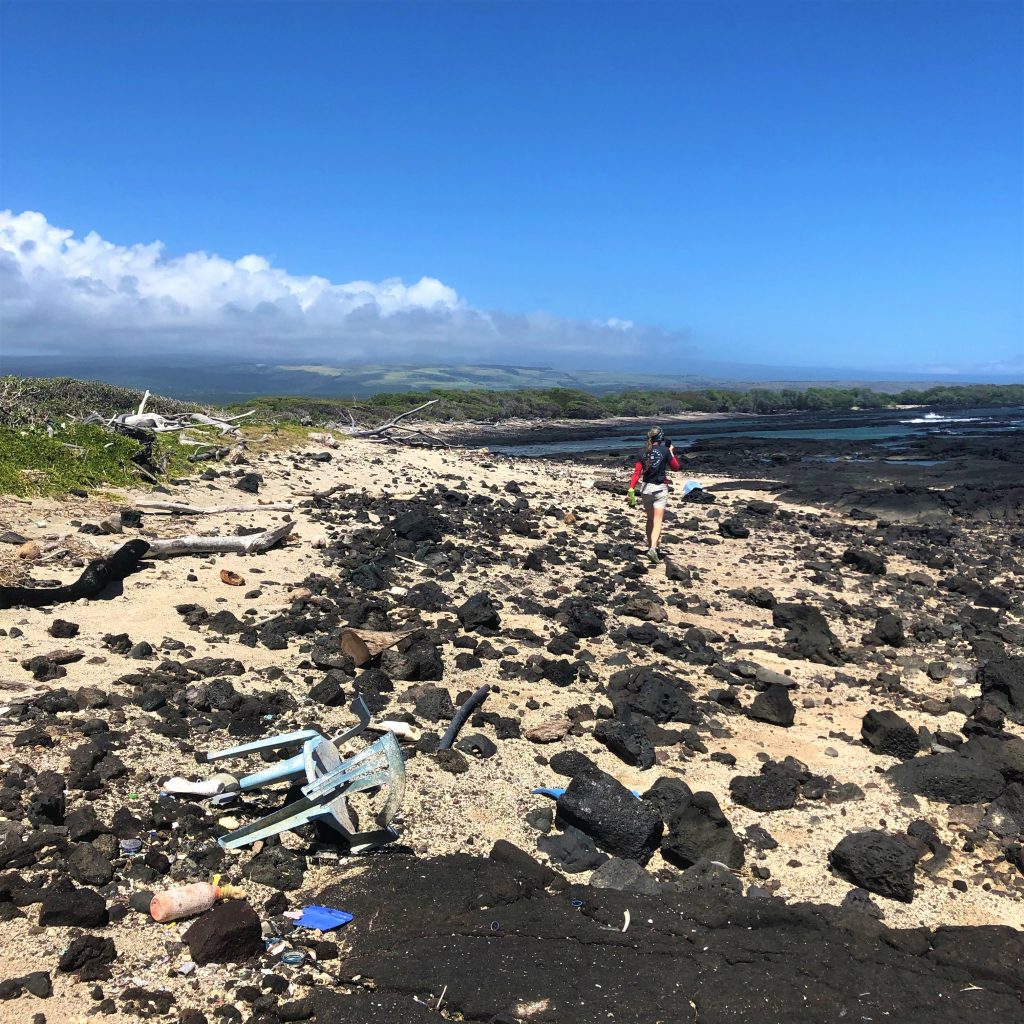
653	556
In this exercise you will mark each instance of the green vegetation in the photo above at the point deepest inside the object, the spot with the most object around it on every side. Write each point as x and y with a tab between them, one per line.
80	456
29	401
459	405
44	451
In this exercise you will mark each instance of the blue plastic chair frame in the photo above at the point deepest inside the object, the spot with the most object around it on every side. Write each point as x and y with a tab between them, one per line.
330	779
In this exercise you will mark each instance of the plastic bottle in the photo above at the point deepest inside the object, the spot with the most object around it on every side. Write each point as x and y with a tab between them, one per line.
187	900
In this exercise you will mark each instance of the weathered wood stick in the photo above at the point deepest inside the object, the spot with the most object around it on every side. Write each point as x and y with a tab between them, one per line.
394	419
181	509
255	543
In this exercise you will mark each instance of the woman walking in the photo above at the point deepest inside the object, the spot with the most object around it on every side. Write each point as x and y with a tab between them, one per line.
657	459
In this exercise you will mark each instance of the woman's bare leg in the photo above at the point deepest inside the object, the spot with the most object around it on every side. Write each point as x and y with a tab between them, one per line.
655	517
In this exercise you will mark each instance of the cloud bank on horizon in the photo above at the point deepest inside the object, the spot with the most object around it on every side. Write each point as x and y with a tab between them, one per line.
70	296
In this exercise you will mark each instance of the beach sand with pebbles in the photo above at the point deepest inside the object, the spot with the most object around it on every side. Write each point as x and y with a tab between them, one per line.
414	535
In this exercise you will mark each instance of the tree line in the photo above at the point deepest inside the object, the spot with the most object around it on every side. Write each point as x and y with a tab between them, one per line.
572	404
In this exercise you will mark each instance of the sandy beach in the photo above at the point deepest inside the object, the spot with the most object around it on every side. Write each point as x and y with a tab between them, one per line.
590	544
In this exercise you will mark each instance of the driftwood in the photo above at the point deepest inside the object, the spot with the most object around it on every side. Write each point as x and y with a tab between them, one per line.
362	645
180	509
255	543
154	423
422	435
385	432
98	573
391	423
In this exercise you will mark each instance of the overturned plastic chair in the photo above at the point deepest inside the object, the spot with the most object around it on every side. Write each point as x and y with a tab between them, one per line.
330	780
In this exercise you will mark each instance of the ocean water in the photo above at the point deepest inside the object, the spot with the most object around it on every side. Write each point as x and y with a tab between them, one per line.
891	429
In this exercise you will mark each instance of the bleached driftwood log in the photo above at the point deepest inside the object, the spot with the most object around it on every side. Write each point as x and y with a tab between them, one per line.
157	424
385	427
180	509
361	645
255	543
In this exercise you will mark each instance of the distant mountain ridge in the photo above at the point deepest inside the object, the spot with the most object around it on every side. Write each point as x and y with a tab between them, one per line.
216	382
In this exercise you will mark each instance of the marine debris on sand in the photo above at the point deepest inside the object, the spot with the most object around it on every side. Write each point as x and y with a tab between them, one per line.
440	699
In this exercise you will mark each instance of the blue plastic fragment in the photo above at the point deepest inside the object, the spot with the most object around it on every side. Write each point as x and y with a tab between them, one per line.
691	485
555	793
322	918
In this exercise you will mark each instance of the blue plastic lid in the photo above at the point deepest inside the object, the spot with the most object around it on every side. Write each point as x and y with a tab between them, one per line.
322	918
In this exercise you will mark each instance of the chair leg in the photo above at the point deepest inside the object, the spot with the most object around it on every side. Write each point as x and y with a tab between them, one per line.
294	815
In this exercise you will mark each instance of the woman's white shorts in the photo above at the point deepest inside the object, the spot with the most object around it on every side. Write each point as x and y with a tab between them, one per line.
654	495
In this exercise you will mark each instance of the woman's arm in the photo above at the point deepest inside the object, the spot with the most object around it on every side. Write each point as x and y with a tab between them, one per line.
637	471
673	462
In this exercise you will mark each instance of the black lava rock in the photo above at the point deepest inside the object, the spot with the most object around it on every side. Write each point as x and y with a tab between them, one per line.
888	630
477	745
604	809
773	706
624	876
655	694
949	778
864	561
878	862
626	741
572	850
328	692
413	659
702	832
249	482
434	704
452	761
886	733
87	865
669	798
807	634
581	618
87	953
571	763
478	613
773	790
1005	817
278	868
1002	681
75	908
733	529
522	866
227	933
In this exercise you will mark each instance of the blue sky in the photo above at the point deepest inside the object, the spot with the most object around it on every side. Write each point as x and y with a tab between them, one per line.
809	183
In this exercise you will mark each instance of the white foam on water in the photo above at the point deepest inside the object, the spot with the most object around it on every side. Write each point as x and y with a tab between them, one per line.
934	417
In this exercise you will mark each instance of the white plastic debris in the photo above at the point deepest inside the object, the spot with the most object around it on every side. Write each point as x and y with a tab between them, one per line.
218	783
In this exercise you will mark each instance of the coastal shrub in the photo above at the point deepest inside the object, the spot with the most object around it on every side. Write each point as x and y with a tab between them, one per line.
35	461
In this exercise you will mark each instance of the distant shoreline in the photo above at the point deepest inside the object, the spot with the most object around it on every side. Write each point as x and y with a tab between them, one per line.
540	430
633	428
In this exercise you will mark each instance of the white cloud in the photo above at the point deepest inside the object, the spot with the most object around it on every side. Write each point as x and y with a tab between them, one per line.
78	296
